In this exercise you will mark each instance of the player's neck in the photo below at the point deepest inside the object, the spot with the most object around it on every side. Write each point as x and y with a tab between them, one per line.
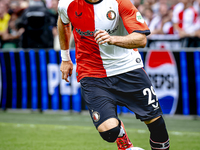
93	1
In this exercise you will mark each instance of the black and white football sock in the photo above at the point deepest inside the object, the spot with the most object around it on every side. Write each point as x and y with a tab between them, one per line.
159	138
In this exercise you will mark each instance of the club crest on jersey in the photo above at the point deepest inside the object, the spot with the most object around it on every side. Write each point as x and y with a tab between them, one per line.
95	116
139	17
111	15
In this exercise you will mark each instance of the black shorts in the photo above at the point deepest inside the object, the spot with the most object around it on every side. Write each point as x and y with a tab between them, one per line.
132	89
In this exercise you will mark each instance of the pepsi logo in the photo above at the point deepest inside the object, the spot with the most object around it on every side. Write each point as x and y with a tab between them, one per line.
162	70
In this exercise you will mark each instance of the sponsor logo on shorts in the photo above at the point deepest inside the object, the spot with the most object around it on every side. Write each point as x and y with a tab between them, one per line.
95	116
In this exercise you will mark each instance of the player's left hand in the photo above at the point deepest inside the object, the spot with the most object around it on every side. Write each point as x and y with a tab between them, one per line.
101	36
66	69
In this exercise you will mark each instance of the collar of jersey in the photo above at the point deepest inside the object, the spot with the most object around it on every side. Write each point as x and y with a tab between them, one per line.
93	2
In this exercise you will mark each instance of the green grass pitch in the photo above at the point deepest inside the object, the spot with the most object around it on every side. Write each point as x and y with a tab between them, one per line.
69	131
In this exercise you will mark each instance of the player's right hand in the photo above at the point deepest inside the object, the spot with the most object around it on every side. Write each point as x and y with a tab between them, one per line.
102	37
66	69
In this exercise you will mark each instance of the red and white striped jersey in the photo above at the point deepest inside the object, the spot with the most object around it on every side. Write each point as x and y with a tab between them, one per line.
168	28
185	18
117	17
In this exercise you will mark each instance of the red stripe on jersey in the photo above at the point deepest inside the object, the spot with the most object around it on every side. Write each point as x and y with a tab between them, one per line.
89	61
128	12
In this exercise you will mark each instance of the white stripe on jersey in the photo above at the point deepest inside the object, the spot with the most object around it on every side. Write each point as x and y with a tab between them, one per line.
115	59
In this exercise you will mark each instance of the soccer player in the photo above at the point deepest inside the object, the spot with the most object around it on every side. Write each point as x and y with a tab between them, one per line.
107	34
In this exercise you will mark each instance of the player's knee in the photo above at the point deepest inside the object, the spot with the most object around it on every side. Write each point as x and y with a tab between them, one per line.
108	124
110	135
159	138
152	120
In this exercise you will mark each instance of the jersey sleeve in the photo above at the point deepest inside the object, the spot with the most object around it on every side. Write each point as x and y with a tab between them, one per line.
132	19
62	10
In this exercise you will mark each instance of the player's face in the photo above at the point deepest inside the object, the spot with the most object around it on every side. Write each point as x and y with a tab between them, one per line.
93	1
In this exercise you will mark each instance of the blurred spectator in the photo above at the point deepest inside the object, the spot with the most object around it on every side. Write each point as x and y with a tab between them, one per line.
13	7
152	4
136	3
43	34
157	4
173	3
54	10
6	3
23	4
4	19
11	37
148	15
48	3
54	7
196	5
167	23
38	23
157	22
186	24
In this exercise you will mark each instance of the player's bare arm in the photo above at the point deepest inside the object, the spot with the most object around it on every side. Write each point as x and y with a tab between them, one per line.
64	32
133	40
